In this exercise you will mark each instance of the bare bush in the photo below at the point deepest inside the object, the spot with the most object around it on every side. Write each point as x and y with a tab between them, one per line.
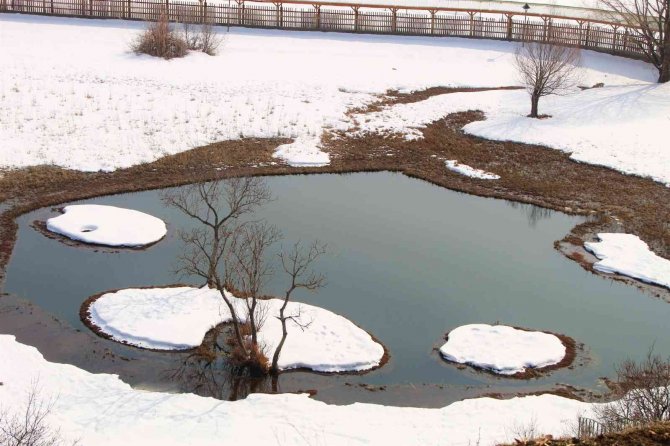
160	40
648	24
201	36
544	69
642	390
29	426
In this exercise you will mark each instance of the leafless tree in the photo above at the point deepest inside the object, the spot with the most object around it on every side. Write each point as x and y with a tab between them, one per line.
218	206
648	23
642	390
544	69
297	263
252	270
29	427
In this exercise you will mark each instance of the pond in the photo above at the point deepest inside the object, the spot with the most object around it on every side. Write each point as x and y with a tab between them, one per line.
408	262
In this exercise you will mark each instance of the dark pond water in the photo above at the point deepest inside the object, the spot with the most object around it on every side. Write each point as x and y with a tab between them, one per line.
408	262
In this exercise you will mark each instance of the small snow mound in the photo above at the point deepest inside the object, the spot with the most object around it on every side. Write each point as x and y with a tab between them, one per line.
107	225
471	172
303	152
502	349
626	254
178	318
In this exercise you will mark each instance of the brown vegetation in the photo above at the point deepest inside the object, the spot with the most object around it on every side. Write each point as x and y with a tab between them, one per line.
160	40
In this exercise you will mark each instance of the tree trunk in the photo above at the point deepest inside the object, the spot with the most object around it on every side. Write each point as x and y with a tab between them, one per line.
534	104
275	358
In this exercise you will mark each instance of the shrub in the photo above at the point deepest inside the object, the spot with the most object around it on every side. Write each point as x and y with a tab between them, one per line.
643	392
201	37
160	40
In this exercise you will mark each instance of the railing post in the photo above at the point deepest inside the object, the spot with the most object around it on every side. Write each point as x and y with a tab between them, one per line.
432	22
472	23
90	8
544	28
614	35
625	39
129	10
240	11
394	20
317	8
278	15
355	8
509	26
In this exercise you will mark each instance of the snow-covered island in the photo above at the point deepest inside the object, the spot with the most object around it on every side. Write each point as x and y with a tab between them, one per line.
503	350
178	318
107	225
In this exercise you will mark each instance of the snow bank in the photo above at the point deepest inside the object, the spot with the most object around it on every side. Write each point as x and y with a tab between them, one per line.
626	254
100	409
303	152
178	318
469	171
501	349
75	97
107	225
613	126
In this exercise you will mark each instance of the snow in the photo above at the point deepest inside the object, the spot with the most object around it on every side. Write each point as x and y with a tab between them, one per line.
626	254
502	349
303	152
107	225
469	171
74	96
614	126
100	409
178	318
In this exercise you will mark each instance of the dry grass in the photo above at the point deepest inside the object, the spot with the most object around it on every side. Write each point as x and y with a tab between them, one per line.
160	40
652	435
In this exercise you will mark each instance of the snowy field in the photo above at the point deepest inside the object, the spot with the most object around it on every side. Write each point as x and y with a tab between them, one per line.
74	96
178	318
626	254
99	409
501	349
107	225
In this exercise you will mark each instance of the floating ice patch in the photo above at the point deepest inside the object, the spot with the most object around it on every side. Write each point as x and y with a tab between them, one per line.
303	152
626	254
107	225
178	318
502	349
471	172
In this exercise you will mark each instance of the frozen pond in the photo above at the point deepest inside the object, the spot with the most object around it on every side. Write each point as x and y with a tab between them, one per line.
408	262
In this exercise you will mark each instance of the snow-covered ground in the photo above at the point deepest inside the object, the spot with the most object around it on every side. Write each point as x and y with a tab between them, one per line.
502	349
178	318
614	126
74	96
100	409
107	225
626	254
470	171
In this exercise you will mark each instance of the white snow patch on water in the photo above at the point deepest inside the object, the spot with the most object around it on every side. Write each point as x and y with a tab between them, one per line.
178	318
626	254
469	171
502	349
107	225
101	410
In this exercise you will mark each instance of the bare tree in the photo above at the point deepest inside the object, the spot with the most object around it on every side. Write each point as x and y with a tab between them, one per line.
218	206
642	390
544	69
297	263
648	23
252	271
29	427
